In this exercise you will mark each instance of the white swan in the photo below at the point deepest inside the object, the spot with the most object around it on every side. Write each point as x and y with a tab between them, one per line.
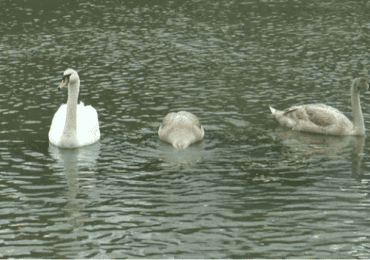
324	119
74	125
181	129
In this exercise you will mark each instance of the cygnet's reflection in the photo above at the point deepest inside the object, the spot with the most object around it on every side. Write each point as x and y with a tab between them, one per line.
176	157
357	155
308	144
71	160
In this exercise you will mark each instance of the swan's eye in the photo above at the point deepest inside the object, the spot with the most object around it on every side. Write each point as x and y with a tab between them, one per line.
66	77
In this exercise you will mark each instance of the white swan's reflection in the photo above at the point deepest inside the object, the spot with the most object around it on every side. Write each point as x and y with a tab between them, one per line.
308	144
71	160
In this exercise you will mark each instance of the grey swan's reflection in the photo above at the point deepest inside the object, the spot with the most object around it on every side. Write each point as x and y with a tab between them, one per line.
323	119
308	144
71	160
357	155
181	129
175	159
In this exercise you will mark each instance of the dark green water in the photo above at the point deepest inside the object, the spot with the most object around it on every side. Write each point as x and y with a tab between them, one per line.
249	190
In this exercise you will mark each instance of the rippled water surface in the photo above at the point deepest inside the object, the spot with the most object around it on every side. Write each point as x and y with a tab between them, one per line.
250	189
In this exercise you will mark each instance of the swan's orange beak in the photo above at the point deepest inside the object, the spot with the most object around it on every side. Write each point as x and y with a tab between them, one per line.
63	84
65	81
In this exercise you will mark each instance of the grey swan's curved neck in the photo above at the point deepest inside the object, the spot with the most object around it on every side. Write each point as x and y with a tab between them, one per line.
358	119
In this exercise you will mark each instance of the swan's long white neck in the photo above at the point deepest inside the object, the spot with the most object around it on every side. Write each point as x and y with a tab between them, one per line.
358	120
70	127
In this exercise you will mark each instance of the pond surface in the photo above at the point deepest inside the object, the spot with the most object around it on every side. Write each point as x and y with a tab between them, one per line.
250	189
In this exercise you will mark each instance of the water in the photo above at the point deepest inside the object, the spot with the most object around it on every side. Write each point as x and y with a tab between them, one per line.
249	190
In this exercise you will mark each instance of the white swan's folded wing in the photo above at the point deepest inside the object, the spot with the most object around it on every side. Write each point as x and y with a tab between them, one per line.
87	124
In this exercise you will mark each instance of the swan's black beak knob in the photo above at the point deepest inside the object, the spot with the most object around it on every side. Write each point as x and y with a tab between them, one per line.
65	81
